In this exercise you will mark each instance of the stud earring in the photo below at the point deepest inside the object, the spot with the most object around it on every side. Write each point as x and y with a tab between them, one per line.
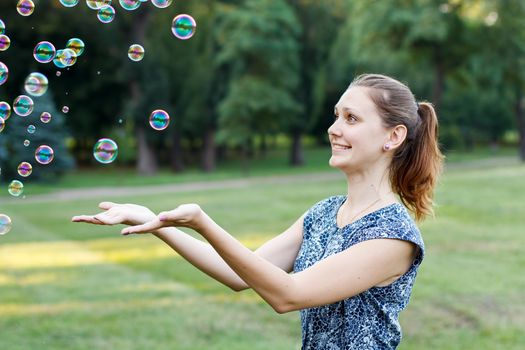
386	147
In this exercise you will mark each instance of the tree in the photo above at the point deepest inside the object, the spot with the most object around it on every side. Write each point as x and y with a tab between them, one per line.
53	134
261	57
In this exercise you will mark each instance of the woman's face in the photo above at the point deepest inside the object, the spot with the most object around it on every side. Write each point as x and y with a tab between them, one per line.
357	135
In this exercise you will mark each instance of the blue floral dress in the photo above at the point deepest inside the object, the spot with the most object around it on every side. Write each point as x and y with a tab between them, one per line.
368	320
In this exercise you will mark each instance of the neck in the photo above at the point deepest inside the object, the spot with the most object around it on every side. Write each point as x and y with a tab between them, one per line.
365	188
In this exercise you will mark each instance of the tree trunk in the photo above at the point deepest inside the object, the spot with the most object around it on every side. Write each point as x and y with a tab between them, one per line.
520	122
263	147
146	161
296	151
176	160
208	150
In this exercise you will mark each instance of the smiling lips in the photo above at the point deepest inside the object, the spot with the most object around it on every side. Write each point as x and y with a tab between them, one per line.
339	147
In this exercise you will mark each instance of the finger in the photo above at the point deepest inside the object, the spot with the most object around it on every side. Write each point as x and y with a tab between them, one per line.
147	227
108	219
87	219
106	205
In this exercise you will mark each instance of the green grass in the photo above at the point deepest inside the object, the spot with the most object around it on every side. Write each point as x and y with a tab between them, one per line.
75	286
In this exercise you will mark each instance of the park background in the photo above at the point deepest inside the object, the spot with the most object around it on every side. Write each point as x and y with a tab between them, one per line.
250	96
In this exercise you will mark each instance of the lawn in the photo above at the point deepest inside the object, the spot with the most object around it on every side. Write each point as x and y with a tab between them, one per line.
75	286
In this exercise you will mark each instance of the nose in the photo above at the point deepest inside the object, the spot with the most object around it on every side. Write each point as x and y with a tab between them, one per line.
334	129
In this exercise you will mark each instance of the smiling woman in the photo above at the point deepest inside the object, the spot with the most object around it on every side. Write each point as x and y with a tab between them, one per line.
349	263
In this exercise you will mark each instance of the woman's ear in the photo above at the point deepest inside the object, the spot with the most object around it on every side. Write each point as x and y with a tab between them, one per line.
397	135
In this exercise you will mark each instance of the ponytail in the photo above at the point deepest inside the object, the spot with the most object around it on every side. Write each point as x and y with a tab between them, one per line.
418	163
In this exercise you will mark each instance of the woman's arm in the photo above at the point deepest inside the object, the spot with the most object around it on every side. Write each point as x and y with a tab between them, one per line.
280	251
335	278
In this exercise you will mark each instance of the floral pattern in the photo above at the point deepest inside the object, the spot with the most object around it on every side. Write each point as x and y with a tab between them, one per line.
368	320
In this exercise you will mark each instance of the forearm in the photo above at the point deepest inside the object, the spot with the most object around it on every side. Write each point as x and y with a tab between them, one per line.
272	283
202	256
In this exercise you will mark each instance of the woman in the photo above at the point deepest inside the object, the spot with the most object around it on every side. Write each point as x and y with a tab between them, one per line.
354	258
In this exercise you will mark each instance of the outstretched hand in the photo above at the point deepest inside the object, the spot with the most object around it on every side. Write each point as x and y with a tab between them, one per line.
115	213
185	215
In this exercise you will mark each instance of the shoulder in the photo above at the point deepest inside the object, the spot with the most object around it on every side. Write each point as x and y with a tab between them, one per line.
391	222
326	204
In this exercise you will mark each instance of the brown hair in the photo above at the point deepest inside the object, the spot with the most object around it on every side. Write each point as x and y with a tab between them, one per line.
418	162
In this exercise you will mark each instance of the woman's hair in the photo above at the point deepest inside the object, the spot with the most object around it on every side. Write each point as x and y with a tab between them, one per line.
418	162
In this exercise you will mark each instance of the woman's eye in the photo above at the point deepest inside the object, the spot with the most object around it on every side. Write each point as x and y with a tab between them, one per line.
351	118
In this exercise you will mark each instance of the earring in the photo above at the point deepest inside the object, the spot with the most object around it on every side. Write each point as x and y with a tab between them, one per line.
386	147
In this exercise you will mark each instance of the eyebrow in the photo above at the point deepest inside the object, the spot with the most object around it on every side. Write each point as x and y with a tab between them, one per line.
348	110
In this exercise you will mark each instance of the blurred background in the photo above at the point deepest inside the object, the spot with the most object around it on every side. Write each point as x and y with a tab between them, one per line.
259	76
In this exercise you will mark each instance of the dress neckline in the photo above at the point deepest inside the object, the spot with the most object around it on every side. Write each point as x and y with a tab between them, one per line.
344	198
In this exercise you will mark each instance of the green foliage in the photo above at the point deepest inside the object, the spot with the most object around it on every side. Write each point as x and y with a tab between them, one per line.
53	134
260	54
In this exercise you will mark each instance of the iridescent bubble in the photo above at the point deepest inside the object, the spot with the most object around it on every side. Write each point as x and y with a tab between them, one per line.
23	105
2	124
106	14
26	143
57	61
183	26
5	110
136	52
67	57
105	150
5	42
31	129
25	7
4	73
36	84
44	154
130	5
2	27
5	224
45	117
159	119
44	52
25	169
161	3
97	4
69	3
65	109
15	188
58	73
76	45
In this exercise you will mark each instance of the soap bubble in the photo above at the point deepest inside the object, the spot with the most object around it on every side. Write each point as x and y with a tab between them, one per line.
2	27
183	26
58	73
31	129
44	52
136	52
66	57
159	119
106	14
5	42
15	188
130	5
77	45
44	154
2	124
65	109
25	7
36	84
69	3
97	4
5	110
25	169
23	105
4	73
45	117
5	224
105	150
161	3
26	143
